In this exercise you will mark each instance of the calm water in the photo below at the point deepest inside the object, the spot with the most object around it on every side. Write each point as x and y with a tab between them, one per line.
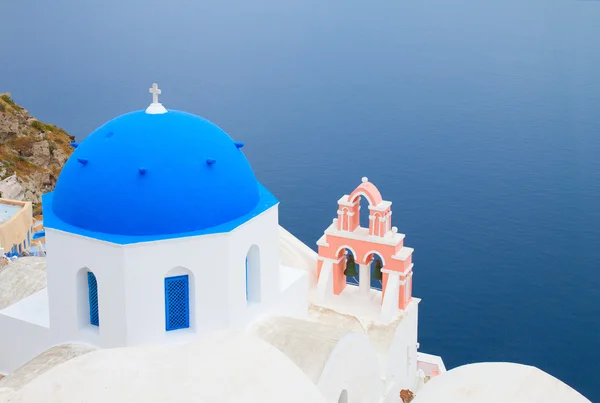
479	119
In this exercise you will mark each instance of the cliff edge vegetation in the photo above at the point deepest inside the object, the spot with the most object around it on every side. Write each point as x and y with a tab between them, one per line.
32	154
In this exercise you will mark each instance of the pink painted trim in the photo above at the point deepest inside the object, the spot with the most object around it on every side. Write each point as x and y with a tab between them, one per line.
371	255
362	251
319	267
368	190
348	219
339	280
384	281
342	249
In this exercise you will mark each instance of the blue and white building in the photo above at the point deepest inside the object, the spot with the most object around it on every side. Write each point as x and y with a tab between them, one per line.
158	235
158	231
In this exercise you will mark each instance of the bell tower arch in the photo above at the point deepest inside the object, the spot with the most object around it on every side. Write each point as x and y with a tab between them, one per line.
380	239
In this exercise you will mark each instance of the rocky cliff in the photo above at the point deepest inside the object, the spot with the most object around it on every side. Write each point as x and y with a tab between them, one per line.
32	154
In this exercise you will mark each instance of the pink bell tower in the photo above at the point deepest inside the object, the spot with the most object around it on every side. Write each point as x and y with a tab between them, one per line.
345	234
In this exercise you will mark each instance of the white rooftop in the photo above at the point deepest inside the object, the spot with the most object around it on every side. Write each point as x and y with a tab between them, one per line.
221	367
497	382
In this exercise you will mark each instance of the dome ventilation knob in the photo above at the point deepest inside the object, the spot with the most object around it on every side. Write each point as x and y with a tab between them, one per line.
82	161
210	161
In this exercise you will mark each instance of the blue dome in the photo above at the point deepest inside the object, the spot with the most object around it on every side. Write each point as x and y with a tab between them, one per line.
144	174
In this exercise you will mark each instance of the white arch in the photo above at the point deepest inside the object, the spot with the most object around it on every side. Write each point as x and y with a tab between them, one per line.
180	271
343	397
363	194
253	275
346	247
83	296
374	252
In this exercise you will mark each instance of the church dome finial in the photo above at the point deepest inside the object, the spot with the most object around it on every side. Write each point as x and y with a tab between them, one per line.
155	107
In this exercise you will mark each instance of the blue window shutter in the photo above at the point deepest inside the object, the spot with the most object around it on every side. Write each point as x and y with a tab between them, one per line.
93	294
177	302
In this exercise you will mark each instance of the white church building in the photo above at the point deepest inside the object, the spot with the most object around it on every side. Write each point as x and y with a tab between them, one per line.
160	238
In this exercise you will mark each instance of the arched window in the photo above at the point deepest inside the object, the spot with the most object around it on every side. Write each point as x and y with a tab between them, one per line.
246	278
93	298
351	269
345	219
177	302
343	397
364	219
376	263
253	275
377	225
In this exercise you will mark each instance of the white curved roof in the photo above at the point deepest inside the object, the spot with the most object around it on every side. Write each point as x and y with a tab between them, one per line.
308	344
42	363
224	367
333	357
496	382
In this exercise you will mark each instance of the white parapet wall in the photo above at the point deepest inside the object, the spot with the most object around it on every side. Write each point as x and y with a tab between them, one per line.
400	359
294	293
20	341
294	253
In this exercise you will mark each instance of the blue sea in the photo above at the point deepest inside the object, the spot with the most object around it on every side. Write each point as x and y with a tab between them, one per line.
479	119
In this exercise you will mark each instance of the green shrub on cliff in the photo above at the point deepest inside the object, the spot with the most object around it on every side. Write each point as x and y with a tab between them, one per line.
6	98
36	124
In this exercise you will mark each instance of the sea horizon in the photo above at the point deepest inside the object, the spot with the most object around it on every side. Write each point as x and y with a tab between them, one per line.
478	120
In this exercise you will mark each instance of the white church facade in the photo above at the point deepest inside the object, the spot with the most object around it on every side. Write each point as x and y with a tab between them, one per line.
132	264
168	290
